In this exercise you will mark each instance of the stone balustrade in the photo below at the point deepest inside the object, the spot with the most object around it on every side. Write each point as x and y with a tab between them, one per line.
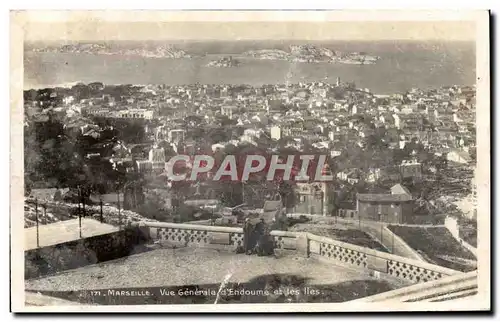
203	236
305	244
194	235
407	269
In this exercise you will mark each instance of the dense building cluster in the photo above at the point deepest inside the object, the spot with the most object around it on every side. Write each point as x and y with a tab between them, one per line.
422	141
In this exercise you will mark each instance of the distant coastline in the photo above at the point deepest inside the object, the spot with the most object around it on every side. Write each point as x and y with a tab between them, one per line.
296	53
161	51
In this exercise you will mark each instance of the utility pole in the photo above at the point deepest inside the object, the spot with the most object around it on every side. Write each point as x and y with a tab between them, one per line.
381	229
242	192
36	218
102	216
79	212
45	211
322	196
381	232
83	203
119	211
78	199
135	196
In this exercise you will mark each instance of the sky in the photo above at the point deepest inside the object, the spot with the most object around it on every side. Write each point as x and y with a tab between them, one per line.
93	26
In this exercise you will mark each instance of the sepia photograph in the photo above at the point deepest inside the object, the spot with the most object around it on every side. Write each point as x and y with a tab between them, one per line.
250	161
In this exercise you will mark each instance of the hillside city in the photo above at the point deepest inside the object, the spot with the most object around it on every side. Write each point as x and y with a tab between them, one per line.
404	160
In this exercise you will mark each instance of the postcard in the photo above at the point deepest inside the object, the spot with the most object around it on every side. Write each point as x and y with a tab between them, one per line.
250	161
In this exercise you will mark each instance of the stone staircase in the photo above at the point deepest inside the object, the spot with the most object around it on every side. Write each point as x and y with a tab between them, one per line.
445	289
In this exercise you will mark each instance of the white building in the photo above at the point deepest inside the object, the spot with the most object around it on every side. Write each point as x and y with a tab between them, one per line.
373	175
157	154
97	111
136	113
275	133
176	135
331	135
397	123
228	111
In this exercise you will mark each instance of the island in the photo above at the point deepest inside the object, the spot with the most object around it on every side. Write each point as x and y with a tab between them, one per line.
313	54
271	54
161	51
224	62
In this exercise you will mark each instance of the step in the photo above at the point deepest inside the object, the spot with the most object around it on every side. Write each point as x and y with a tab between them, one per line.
454	296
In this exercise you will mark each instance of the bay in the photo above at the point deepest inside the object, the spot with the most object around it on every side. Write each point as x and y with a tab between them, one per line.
403	65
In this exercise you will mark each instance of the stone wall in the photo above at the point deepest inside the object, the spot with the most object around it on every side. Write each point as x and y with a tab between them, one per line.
82	252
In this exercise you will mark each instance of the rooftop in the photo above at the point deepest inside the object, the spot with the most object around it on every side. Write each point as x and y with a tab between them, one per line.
372	197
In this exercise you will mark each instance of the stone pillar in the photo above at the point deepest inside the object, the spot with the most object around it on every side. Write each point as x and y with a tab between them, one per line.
302	245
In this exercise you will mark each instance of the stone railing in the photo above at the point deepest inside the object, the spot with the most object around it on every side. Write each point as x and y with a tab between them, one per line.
403	268
194	235
305	244
216	236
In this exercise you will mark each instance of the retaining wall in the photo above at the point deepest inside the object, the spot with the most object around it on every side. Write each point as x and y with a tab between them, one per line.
82	252
452	225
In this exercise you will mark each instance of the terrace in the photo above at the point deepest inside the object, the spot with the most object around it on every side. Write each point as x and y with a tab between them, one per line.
206	269
176	258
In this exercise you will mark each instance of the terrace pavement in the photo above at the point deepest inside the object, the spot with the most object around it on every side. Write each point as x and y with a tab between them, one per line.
195	266
65	231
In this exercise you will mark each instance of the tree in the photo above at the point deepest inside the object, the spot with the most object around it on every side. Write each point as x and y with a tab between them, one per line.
193	119
218	135
225	121
81	91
